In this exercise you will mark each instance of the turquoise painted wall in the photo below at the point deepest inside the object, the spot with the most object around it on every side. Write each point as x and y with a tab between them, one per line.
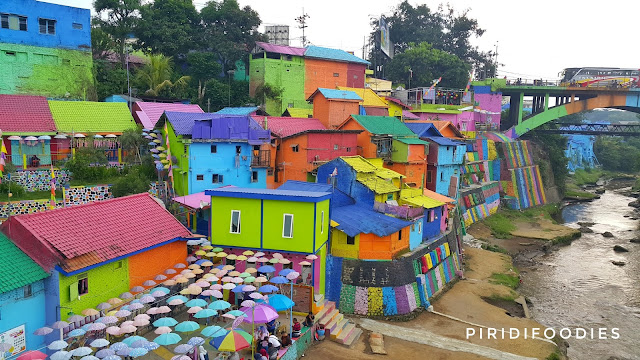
249	222
16	310
105	282
50	72
288	73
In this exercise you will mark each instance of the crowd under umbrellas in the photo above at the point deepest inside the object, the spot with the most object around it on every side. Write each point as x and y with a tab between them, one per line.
112	331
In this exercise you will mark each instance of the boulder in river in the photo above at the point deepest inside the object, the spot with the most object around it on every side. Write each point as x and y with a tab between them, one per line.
585	230
619	248
607	234
635	203
585	223
599	191
618	263
637	241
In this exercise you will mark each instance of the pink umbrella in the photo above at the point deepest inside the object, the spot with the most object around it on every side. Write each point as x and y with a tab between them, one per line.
258	254
229	286
164	310
180	266
216	287
222	273
278	256
229	316
186	271
212	279
137	289
96	327
216	293
142	316
32	355
259	314
248	303
311	257
125	323
158	293
255	295
160	278
163	330
122	313
149	283
176	302
108	320
249	288
285	261
140	322
263	260
152	311
237	280
194	309
227	279
113	330
136	306
147	299
252	259
203	283
127	329
59	325
207	293
170	271
181	357
191	258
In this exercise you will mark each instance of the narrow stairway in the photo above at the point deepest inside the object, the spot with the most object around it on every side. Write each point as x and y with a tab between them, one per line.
339	329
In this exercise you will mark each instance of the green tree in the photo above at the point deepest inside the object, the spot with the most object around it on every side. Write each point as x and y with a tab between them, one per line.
230	31
131	140
168	27
156	76
428	64
110	78
266	92
218	93
202	66
101	43
117	18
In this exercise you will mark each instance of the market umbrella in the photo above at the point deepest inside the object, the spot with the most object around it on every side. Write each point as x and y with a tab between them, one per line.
249	288
187	326
238	289
90	312
152	311
258	254
163	310
137	289
216	287
191	258
266	269
193	310
249	279
259	314
248	303
216	293
255	295
203	283
136	306
179	297
229	286
147	299
118	346
279	280
150	345
194	266
82	351
139	343
142	316
43	331
98	343
76	332
108	320
248	253
312	257
125	323
165	321
263	260
219	305
175	302
126	295
196	302
160	277
131	339
158	293
169	282
205	313
60	355
96	326
207	292
163	330
167	339
180	266
104	353
273	261
285	272
244	274
182	349
170	271
234	340
114	301
280	302
137	352
251	270
113	330
241	258
59	325
57	345
122	313
265	289
206	263
127	329
124	352
214	330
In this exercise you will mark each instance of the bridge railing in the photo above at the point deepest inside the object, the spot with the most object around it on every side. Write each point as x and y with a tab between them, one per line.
531	82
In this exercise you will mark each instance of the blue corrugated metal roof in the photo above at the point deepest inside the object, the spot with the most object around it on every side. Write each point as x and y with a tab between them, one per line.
356	219
444	141
338	198
269	194
423	129
339	94
237	110
182	122
332	54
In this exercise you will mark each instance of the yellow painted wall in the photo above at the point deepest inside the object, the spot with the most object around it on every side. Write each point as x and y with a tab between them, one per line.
339	245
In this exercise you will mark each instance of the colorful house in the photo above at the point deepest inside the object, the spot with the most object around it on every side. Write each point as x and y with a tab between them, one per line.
22	299
371	104
378	133
399	109
301	145
284	221
330	68
23	116
435	215
45	49
241	111
445	128
196	212
443	165
214	150
147	113
88	261
333	107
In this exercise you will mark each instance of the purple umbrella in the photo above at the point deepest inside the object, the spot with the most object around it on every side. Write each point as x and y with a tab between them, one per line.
59	325
259	314
182	349
122	313
104	353
147	299
137	289
43	331
107	320
126	295
158	293
149	283
136	306
103	306
96	326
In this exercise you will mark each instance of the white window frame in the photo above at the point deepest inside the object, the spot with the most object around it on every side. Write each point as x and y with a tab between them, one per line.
284	216
239	222
322	222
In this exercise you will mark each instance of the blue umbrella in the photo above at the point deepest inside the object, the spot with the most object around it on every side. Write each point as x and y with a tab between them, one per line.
136	301
219	305
238	289
285	272
112	357
118	346
150	345
100	343
85	327
139	343
196	302
213	330
167	339
219	267
89	357
199	262
160	288
237	313
205	313
178	297
279	280
131	339
280	302
182	349
61	355
124	352
267	288
76	332
266	269
126	307
195	341
151	143
82	351
58	345
165	321
136	352
187	326
104	353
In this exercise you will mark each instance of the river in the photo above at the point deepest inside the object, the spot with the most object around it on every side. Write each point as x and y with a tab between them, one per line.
577	286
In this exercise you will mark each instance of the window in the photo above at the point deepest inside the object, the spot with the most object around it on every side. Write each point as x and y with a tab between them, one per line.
13	22
117	265
217	179
288	265
348	149
47	26
336	74
290	105
287	226
200	177
429	177
231	262
351	240
295	148
420	227
389	197
77	26
441	176
235	222
214	149
66	62
238	149
254	176
322	222
185	149
336	147
256	147
83	284
399	235
27	291
270	172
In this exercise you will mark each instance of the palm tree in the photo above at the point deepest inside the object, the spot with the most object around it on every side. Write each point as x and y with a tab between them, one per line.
156	75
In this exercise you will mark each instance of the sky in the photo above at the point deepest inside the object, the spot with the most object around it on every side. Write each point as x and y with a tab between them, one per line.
535	40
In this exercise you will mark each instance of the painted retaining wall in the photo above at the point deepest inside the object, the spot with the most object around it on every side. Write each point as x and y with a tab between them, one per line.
479	202
75	195
39	180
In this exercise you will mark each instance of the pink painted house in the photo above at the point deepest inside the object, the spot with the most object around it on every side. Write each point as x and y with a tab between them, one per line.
148	113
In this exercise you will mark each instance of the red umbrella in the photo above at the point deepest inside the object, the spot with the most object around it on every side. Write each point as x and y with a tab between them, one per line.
32	355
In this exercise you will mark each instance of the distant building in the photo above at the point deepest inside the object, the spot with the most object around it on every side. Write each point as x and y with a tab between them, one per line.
45	49
277	34
332	107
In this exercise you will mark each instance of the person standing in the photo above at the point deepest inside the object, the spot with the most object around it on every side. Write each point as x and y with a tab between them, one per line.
204	355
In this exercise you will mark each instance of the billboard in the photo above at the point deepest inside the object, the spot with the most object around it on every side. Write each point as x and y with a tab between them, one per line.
16	338
385	40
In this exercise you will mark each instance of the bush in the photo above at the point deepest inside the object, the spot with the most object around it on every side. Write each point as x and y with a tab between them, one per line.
134	182
512	281
500	225
15	189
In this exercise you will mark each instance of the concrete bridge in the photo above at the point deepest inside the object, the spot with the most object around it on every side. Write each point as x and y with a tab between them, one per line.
590	129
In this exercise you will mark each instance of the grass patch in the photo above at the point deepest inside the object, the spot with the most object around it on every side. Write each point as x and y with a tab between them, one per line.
503	223
511	281
494	248
511	297
588	176
554	356
566	240
35	195
580	195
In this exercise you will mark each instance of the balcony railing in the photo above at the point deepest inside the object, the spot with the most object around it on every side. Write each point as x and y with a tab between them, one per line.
261	158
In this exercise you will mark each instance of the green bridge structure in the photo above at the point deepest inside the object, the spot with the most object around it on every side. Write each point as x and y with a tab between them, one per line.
568	100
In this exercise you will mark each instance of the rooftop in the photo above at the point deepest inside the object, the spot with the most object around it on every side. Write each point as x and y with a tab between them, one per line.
90	116
288	126
16	268
332	54
298	112
434	195
370	98
333	94
383	125
245	110
417	198
423	129
445	128
152	111
444	141
356	219
269	194
194	201
280	49
22	114
85	235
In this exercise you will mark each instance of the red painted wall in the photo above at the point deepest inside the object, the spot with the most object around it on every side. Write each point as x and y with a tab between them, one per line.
323	146
355	75
366	149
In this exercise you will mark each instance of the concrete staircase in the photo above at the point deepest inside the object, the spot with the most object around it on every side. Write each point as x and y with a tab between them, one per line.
338	328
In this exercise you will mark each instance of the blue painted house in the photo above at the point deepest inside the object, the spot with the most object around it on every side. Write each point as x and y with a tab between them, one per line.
22	299
214	150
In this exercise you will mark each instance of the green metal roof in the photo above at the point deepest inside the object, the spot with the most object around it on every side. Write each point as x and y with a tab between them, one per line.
383	125
16	268
89	116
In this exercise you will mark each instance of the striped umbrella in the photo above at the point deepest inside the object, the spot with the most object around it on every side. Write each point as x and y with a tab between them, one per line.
234	340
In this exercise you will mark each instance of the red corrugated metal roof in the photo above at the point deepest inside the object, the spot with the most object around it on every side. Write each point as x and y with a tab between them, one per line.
154	111
25	114
84	235
287	126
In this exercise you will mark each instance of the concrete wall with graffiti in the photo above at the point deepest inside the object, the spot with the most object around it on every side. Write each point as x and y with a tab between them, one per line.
39	180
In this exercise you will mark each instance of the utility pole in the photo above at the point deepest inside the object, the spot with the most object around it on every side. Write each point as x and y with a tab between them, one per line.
495	72
302	20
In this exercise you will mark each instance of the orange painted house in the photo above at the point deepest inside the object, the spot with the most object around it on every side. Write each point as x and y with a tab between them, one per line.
146	265
378	133
330	68
333	107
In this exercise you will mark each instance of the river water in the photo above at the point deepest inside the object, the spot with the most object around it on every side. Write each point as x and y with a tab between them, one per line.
577	286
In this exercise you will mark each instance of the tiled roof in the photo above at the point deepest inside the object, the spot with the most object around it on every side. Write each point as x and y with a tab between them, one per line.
90	116
383	125
406	114
356	219
299	112
21	114
416	197
336	94
287	126
332	54
247	110
16	268
84	235
153	111
444	127
423	129
281	49
370	98
398	102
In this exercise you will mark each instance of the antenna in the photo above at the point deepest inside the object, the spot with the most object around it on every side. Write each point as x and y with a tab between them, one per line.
302	20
